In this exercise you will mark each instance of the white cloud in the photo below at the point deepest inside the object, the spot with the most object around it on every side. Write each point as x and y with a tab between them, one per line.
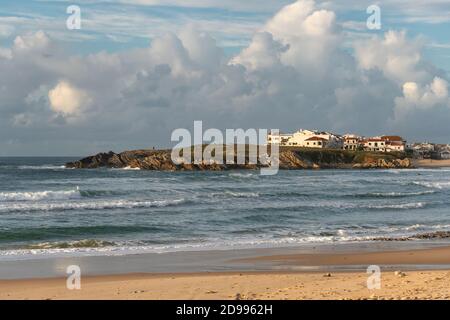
397	57
38	40
422	97
6	30
66	99
5	53
263	52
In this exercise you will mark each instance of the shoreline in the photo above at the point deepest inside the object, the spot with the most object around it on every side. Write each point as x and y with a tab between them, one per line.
424	274
430	163
310	256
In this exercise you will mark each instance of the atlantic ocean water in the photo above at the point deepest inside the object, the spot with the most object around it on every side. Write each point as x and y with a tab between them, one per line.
48	210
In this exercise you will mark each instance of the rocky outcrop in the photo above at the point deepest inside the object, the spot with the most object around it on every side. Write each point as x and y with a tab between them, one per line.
438	235
383	164
290	159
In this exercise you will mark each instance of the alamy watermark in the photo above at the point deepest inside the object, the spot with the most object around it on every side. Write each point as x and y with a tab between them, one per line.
73	281
236	147
374	279
73	22
374	20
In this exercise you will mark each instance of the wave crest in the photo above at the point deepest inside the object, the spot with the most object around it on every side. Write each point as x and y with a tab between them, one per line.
87	243
40	195
91	205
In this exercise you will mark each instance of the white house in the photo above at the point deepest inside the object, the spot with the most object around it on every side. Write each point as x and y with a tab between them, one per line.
281	139
394	143
444	151
384	144
315	142
351	142
301	139
423	150
395	146
445	154
374	144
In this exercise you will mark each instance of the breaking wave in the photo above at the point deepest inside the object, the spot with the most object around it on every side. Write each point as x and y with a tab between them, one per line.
391	194
435	185
91	205
228	194
40	195
87	243
413	205
43	167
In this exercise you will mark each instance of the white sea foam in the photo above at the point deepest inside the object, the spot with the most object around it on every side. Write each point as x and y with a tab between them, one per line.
433	184
413	205
40	195
85	247
232	194
130	168
346	205
243	175
217	244
42	167
87	205
401	194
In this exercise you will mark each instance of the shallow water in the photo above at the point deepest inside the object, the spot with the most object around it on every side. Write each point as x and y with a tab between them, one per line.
46	209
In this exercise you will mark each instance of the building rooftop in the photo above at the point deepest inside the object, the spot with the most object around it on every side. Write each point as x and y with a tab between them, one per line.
316	139
392	138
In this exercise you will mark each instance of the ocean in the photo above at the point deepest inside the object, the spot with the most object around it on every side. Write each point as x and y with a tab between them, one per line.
47	210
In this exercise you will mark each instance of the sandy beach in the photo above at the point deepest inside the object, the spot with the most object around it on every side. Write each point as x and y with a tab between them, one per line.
429	163
413	281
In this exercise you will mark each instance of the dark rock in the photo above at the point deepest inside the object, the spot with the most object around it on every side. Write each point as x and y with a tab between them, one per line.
290	159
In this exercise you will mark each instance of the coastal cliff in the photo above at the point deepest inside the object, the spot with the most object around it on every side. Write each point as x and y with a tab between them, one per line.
290	159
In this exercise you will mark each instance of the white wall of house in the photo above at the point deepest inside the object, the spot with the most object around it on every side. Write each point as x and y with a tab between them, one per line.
299	139
375	145
278	138
314	143
395	147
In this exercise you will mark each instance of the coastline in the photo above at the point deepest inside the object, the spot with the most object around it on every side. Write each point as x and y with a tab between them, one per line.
430	163
326	273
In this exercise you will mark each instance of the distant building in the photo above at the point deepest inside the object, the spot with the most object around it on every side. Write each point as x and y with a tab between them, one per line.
384	144
281	139
375	144
395	146
423	150
351	142
323	139
301	139
445	155
315	142
394	143
442	151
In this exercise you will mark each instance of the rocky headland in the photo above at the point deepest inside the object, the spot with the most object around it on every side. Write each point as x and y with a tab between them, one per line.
290	159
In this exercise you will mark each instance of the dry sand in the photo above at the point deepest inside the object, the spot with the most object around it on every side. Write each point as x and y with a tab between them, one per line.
408	285
262	285
428	163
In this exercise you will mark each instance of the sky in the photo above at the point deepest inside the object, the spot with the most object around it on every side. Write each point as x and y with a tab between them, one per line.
138	69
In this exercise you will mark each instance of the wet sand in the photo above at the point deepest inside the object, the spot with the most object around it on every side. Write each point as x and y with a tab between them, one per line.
432	256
